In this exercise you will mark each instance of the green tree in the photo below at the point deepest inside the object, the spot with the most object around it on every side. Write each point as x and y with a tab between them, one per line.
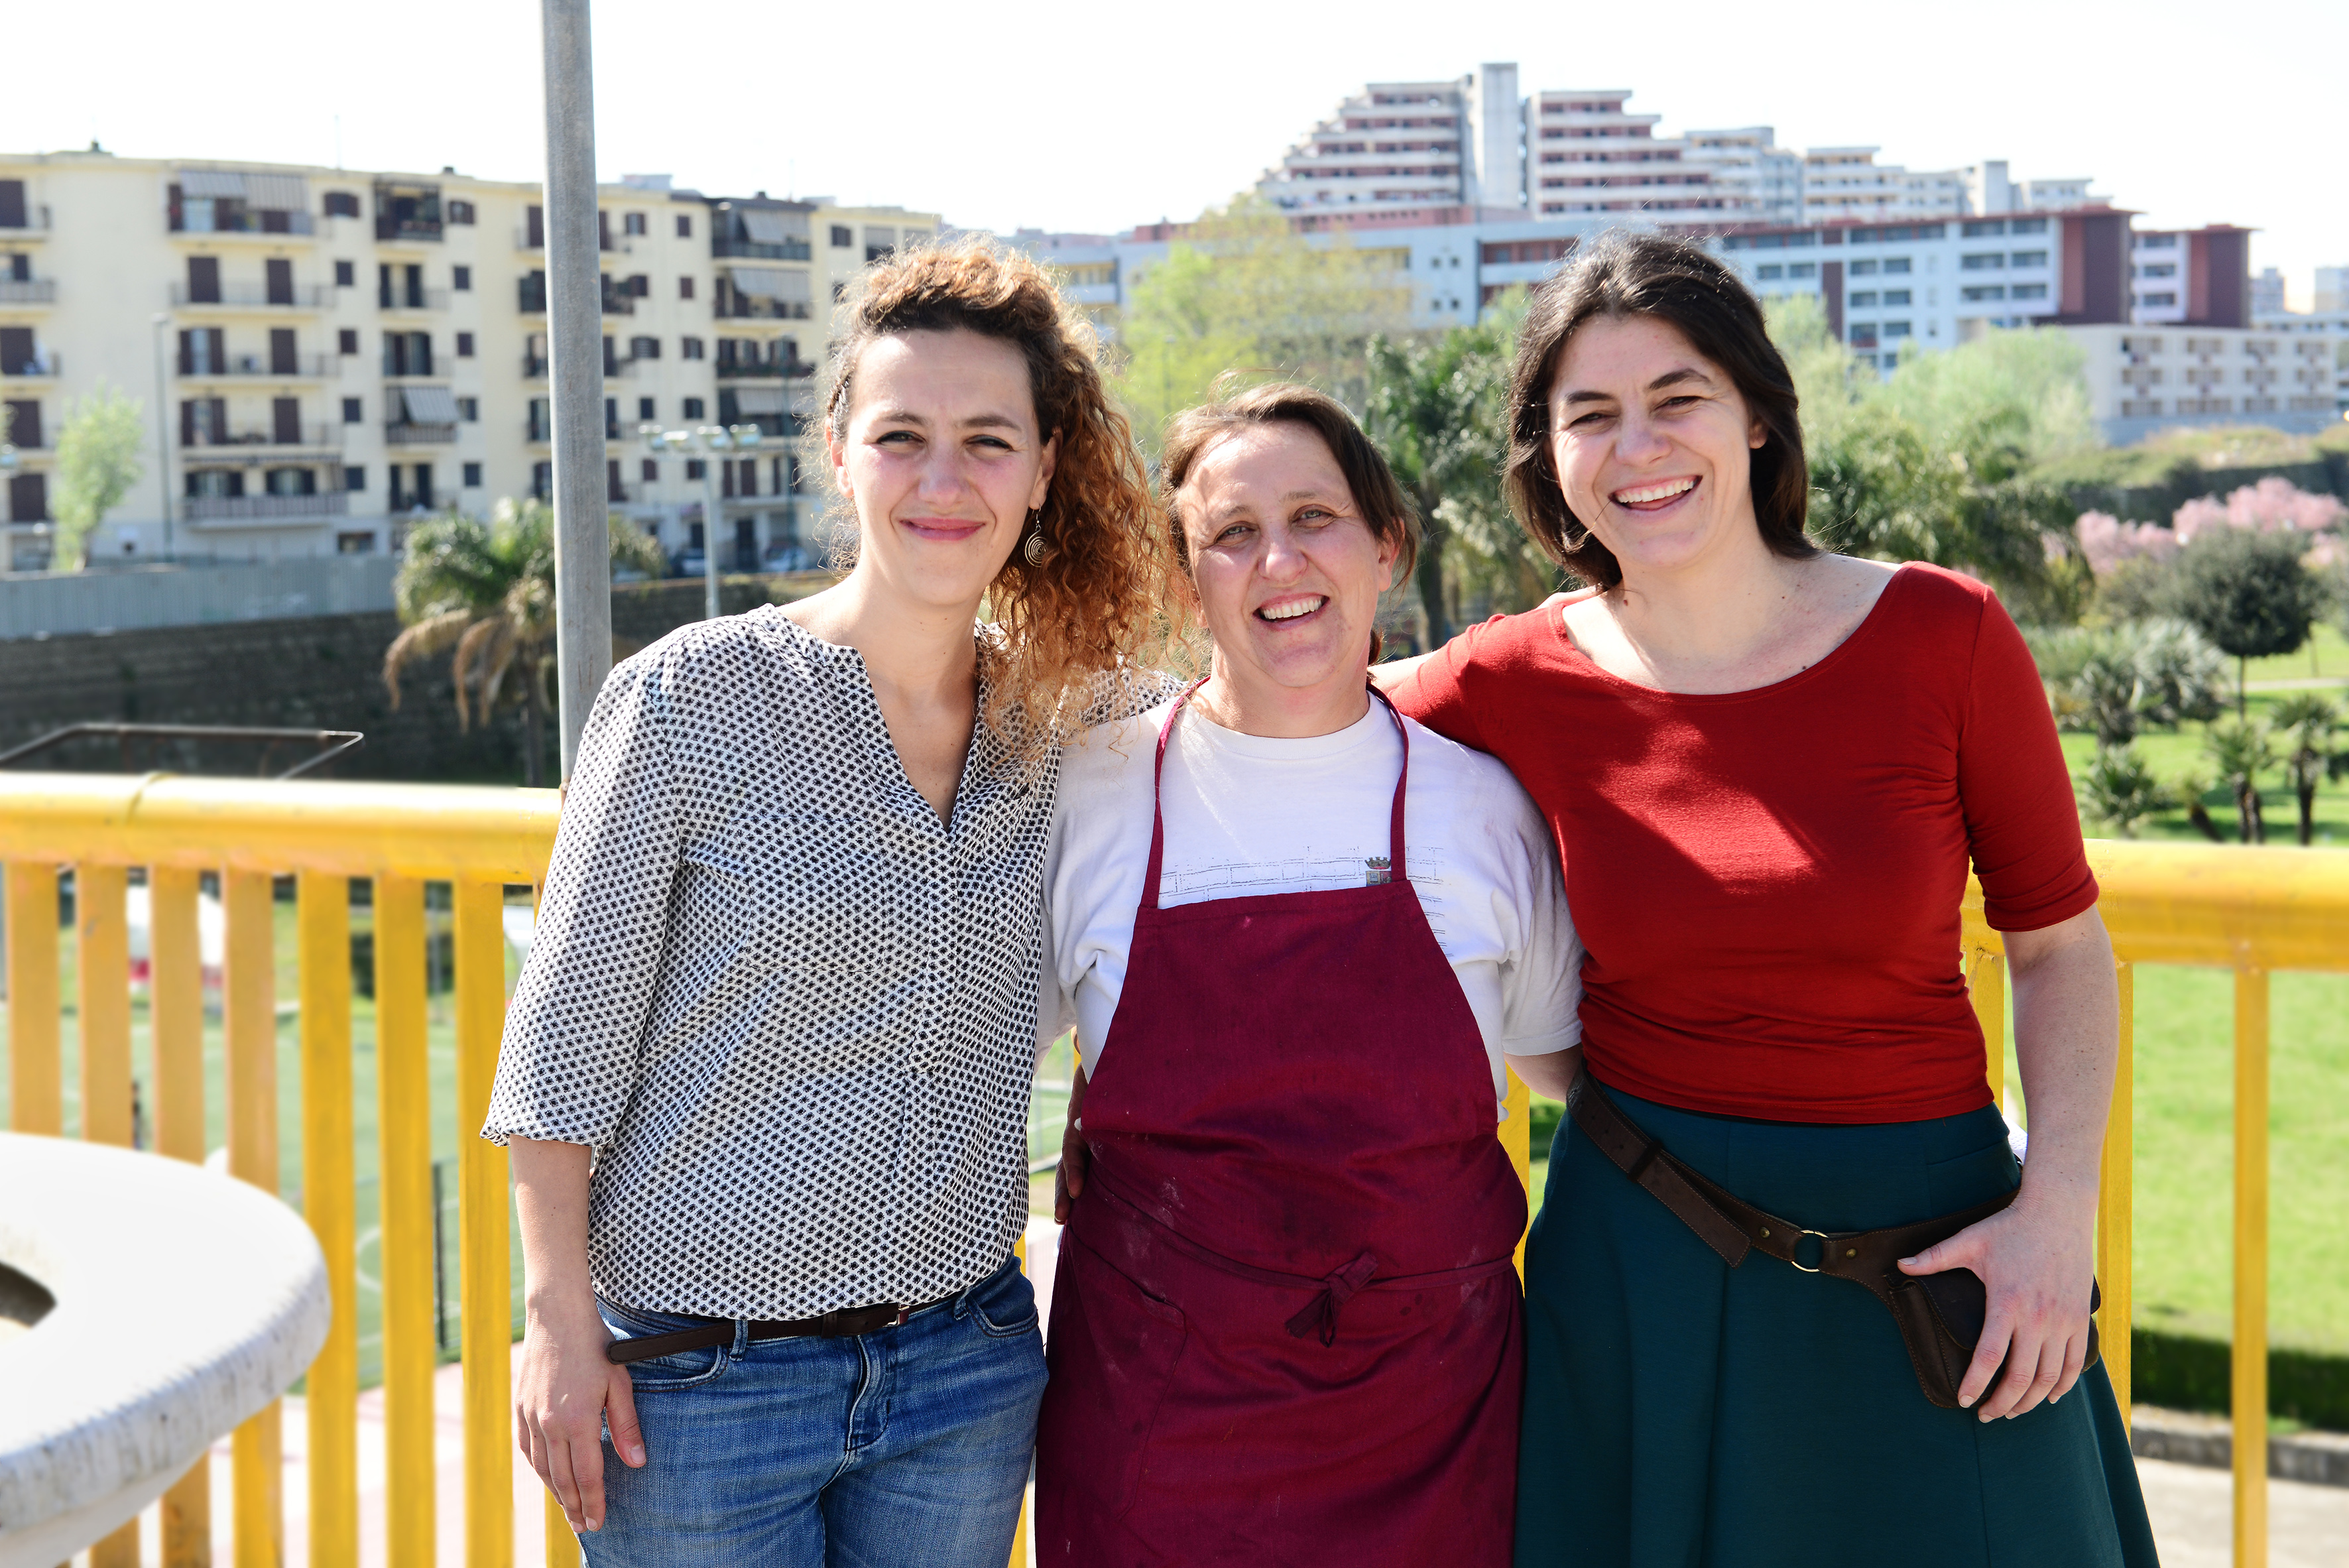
2241	749
1439	408
2120	790
1244	291
97	463
487	591
2307	722
2248	593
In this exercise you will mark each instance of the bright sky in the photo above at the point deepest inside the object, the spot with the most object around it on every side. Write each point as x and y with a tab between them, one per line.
1097	117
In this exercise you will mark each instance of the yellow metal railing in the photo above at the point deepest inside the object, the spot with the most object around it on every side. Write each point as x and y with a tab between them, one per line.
2253	911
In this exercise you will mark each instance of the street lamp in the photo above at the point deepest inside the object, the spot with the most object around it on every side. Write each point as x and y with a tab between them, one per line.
710	440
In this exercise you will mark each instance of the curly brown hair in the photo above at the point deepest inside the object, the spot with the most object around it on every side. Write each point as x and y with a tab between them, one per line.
1088	609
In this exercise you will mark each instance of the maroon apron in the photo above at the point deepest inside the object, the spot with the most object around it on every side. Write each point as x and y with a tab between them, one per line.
1285	1320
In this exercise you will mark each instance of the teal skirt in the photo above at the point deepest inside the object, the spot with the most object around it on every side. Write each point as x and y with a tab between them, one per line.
1683	1414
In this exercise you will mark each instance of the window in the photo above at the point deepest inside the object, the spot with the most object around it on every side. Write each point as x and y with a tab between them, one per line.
644	348
464	346
1896	263
694	410
2027	291
353	478
459	213
1983	291
632	223
346	340
638	287
694	466
472	476
689	348
645	409
1896	329
649	472
1770	270
2027	259
1803	269
2026	226
346	275
1862	269
684	226
1863	334
469	409
1863	300
1975	231
840	290
342	205
2157	299
461	278
2156	242
842	238
353	412
1982	261
685	288
2157	270
1896	296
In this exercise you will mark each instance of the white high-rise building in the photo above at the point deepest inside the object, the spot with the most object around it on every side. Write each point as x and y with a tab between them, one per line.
1846	182
323	355
1497	126
1394	147
1586	155
1758	180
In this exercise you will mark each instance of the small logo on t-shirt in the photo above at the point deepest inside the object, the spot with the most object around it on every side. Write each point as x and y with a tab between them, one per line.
1376	869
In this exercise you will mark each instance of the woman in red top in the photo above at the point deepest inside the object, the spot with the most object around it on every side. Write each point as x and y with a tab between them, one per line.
1767	768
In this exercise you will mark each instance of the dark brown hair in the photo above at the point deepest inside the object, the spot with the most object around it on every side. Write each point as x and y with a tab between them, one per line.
1087	607
1622	275
1380	500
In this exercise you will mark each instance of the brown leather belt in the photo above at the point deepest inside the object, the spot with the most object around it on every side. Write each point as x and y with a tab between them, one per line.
840	1323
1941	1316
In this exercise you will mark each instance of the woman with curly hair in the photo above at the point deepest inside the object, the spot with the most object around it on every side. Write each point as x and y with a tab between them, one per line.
766	1074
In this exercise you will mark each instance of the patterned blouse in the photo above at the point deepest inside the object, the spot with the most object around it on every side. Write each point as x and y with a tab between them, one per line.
792	1013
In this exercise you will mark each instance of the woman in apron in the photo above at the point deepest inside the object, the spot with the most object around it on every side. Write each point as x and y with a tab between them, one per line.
1299	935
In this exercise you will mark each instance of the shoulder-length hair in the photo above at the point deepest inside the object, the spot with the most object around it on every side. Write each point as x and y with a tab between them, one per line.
1086	607
1623	274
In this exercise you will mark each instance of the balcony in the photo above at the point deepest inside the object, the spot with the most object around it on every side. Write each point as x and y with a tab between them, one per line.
427	230
44	365
534	366
252	296
28	291
787	251
764	370
532	294
260	367
254	224
411	299
2245	911
33	223
405	434
265	508
752	307
307	439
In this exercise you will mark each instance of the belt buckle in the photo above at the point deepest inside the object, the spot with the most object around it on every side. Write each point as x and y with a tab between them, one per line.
1826	1252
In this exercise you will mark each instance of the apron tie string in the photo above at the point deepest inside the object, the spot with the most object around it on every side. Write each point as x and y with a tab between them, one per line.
1322	1312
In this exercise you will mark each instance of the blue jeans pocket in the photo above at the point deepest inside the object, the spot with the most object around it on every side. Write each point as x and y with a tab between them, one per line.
1004	1307
684	1369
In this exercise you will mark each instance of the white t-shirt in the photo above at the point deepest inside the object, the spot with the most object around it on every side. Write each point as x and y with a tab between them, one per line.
1250	814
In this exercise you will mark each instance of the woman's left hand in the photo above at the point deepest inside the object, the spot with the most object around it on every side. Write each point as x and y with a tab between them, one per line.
2037	1258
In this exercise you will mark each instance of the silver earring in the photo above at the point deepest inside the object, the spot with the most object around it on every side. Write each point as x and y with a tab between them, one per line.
1036	550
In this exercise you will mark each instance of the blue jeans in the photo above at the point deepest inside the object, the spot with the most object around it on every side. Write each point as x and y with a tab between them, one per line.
906	1448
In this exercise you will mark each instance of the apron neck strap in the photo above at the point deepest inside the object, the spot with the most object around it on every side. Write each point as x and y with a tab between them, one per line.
1152	871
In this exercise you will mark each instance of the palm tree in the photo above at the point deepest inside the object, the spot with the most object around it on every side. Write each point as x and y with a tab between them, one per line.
487	590
2307	721
2242	751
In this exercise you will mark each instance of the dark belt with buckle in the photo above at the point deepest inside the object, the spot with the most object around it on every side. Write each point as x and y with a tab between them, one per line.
840	1323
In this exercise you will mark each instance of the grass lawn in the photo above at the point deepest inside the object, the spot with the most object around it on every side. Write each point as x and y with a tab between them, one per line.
2184	1153
2173	754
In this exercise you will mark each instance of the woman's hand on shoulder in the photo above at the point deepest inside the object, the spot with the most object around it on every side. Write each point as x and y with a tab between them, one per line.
2037	1256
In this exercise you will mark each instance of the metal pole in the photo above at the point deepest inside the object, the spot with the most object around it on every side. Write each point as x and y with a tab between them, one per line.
709	535
575	340
162	435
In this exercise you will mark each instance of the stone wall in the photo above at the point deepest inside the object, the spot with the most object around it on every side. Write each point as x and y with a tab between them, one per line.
322	672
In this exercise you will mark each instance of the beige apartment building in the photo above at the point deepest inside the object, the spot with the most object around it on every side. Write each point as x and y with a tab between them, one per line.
323	355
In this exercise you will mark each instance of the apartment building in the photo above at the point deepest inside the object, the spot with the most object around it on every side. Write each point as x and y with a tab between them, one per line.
1394	147
2198	277
1590	156
2140	380
1759	180
324	355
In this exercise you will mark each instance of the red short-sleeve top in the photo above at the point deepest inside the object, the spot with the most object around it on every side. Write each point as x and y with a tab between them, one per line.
1767	881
